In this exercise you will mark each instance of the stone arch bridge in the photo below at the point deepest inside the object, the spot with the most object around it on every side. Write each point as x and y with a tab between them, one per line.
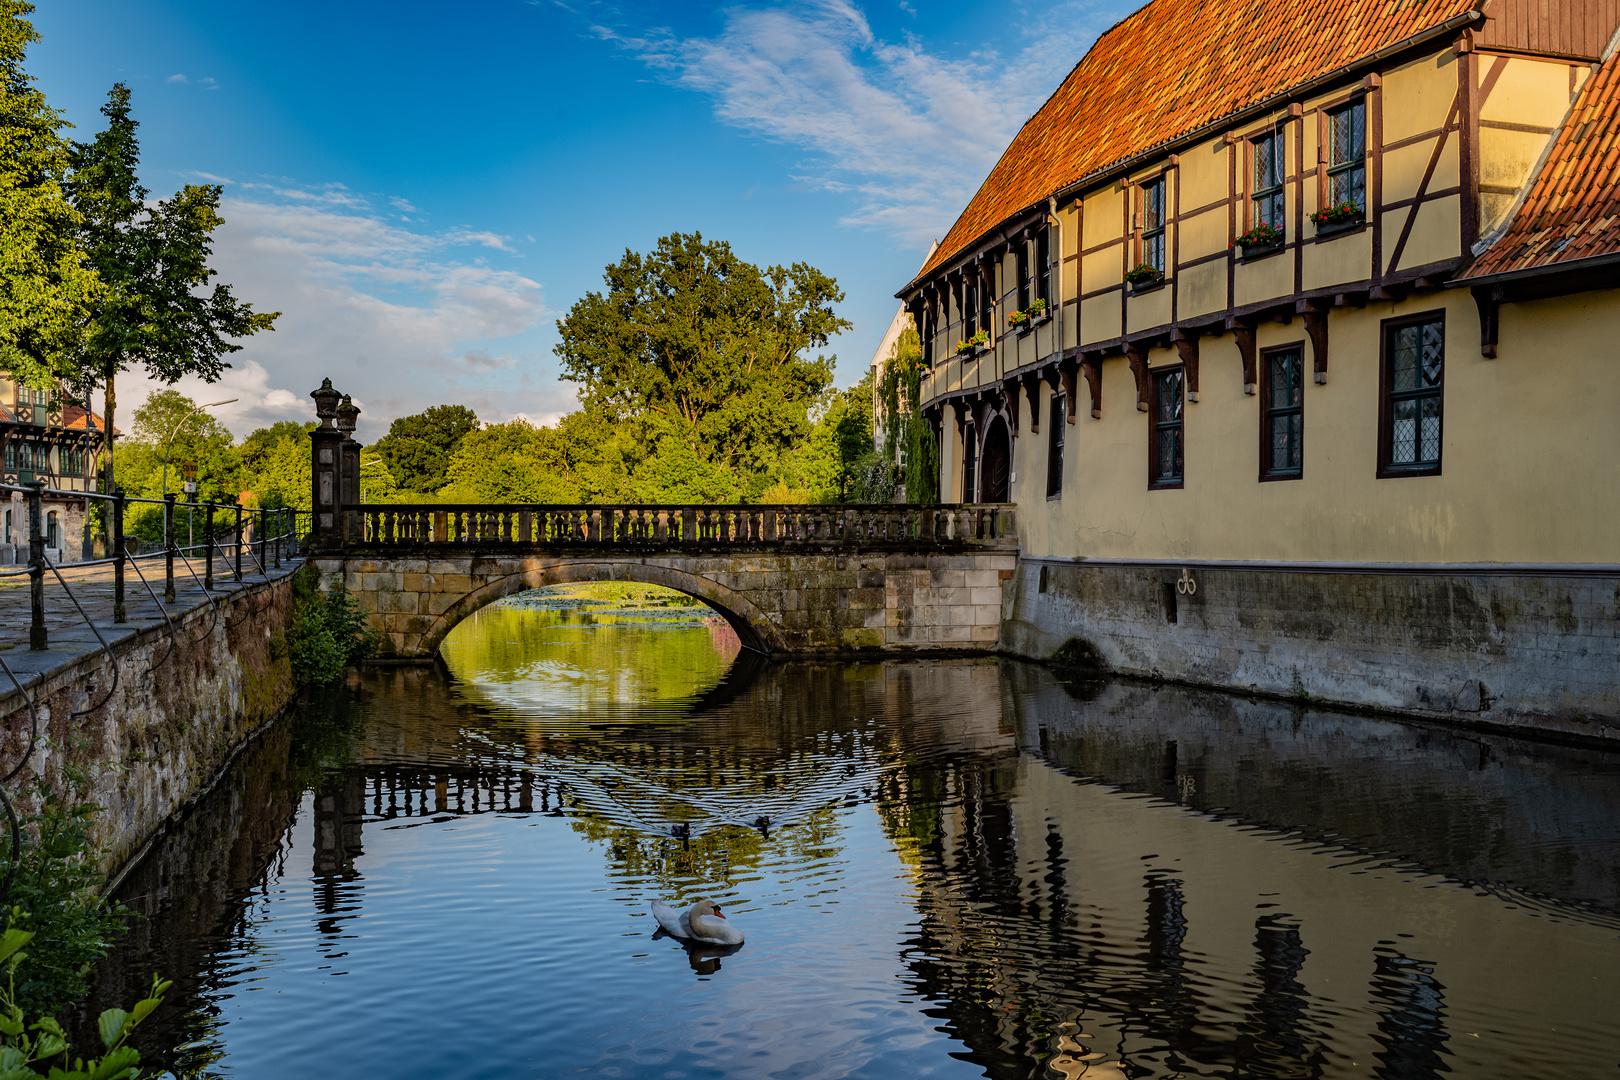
789	579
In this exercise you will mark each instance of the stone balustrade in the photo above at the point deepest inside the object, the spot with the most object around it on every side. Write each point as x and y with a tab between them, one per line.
401	527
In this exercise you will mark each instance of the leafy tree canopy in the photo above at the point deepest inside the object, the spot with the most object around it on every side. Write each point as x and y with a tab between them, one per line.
418	448
44	289
713	347
155	307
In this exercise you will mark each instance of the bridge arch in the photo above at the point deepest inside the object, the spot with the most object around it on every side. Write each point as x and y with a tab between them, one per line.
754	630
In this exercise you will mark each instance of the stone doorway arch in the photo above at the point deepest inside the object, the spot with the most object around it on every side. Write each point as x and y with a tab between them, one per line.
995	463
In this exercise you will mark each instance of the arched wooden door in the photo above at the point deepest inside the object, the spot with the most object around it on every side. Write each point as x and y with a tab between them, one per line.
995	463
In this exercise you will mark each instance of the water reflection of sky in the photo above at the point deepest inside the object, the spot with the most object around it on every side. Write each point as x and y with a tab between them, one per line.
972	871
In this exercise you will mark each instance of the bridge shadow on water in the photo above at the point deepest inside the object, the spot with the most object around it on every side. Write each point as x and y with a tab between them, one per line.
1104	879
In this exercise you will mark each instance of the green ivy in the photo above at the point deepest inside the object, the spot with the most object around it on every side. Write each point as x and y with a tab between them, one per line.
328	633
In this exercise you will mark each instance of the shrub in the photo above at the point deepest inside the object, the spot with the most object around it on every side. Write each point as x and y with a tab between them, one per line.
58	871
328	632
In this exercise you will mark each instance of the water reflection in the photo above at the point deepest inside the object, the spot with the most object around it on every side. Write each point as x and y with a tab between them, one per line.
953	868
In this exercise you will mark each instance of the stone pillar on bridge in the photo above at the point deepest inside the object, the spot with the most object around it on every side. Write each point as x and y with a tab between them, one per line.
348	416
326	446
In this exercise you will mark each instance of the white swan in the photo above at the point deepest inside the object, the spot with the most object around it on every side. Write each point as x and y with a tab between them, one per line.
700	922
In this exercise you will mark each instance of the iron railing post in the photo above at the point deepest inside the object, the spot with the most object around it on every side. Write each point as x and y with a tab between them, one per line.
275	543
37	637
168	547
238	539
260	539
208	545
117	531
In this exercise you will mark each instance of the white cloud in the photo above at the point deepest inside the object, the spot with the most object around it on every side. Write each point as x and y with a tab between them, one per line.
398	316
205	83
907	133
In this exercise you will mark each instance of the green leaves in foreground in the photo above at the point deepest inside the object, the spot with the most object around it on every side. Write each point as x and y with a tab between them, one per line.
26	1048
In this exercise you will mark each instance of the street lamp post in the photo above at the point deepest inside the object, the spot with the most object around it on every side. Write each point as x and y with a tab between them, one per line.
196	410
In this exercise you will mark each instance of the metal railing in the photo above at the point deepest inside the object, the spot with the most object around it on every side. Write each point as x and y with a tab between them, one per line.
267	537
438	526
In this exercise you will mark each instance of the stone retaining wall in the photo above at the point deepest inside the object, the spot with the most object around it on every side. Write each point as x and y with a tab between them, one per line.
1513	651
173	721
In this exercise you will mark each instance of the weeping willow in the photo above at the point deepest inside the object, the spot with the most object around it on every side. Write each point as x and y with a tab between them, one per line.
904	426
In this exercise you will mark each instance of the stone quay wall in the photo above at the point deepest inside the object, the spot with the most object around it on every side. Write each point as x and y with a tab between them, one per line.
182	707
1490	648
799	603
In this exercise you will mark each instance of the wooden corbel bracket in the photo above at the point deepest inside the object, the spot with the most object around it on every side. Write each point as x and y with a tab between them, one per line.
1009	396
1032	391
1065	373
1091	368
1139	368
1316	326
1245	344
1187	346
1489	301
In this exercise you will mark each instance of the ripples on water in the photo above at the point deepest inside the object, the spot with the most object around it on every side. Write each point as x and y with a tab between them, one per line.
948	869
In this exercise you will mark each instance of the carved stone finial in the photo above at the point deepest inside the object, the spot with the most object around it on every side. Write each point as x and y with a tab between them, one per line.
326	402
348	415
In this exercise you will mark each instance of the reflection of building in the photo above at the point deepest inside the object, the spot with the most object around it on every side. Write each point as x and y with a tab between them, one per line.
43	439
1305	286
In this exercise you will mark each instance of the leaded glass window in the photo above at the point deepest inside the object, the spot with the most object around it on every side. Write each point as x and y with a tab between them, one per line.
1054	445
1285	419
970	306
1347	155
1416	357
1153	224
970	463
1267	200
1043	266
1167	426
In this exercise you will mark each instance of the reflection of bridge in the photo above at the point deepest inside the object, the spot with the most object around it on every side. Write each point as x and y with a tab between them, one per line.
788	578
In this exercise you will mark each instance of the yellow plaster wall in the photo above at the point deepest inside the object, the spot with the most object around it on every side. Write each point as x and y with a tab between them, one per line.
1532	92
1202	289
1257	281
1528	448
1403	169
1204	176
1203	234
1341	259
1099	318
1436	234
1101	269
1417	98
1102	216
1149	310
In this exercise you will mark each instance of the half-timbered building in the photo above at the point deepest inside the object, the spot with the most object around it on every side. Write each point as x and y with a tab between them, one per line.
1295	289
43	438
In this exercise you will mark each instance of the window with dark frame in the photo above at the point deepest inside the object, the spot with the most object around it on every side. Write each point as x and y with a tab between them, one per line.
1043	266
1347	154
1266	204
927	329
970	462
1168	444
1414	381
1153	224
970	306
11	456
1283	442
1054	446
987	314
1024	283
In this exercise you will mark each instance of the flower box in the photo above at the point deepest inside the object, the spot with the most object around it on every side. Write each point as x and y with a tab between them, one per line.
1253	252
1258	242
1144	278
973	345
1342	218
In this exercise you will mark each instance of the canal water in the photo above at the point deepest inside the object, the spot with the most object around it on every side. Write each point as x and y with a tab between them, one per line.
954	868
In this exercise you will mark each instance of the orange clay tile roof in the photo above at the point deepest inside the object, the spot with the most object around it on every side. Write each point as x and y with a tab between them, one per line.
73	417
1170	69
1572	210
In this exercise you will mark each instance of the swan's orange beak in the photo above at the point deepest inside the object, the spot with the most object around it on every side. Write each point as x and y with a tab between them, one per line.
717	912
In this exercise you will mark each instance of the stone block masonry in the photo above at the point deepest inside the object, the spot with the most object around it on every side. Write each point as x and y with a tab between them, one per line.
823	602
183	705
1493	647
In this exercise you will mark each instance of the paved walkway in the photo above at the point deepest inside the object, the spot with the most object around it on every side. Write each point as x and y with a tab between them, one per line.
92	585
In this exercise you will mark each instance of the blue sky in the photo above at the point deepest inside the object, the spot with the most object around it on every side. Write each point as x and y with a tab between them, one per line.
424	190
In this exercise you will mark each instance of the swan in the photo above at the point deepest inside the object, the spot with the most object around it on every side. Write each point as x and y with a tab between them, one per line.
700	922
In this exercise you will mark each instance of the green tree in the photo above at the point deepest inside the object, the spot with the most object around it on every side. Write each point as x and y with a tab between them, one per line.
713	347
45	292
155	308
418	448
905	428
